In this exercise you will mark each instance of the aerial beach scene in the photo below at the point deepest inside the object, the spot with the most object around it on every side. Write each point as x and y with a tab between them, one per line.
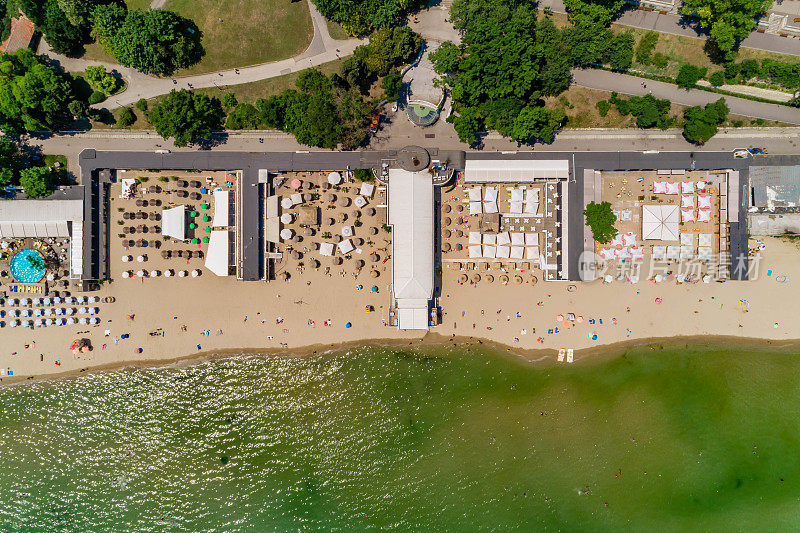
458	265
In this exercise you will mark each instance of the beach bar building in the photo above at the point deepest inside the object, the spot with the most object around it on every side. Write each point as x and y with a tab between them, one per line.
411	218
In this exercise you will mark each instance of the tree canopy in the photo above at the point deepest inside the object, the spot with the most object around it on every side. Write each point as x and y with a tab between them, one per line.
38	182
153	41
33	95
187	116
729	21
362	16
600	218
702	122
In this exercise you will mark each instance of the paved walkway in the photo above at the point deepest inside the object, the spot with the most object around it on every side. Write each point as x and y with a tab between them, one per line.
323	49
625	84
653	20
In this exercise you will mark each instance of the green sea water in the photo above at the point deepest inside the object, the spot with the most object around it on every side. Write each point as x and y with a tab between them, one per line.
448	439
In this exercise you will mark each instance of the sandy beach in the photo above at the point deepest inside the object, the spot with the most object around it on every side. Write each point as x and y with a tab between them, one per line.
223	316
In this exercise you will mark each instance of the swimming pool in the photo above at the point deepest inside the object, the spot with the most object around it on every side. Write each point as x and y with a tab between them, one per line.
22	269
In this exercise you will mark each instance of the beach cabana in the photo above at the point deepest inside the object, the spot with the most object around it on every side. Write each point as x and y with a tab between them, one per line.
687	239
687	215
474	194
532	253
517	252
297	198
174	222
687	201
503	239
660	222
503	252
704	215
286	234
673	253
347	231
704	202
531	239
705	239
475	208
360	201
490	238
517	239
672	188
474	237
704	253
367	190
490	252
221	209
475	251
346	246
687	252
326	249
687	187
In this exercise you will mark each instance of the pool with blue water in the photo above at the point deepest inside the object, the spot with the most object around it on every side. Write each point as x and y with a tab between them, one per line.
23	270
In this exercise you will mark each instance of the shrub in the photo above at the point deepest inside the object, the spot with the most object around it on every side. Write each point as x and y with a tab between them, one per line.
689	75
717	78
126	117
141	105
619	53
78	108
243	117
600	218
602	107
363	174
702	122
748	69
732	70
100	80
229	100
660	60
644	49
391	85
96	97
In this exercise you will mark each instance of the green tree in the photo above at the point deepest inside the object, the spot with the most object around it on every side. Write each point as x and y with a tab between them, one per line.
126	117
391	84
537	123
717	78
619	54
141	105
689	75
701	123
360	16
10	161
601	218
99	79
229	100
38	182
77	11
63	36
33	96
598	11
243	117
729	21
153	41
644	50
78	108
363	174
186	116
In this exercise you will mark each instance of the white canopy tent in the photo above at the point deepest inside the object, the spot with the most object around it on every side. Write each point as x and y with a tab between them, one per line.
660	222
173	222
514	170
221	214
217	253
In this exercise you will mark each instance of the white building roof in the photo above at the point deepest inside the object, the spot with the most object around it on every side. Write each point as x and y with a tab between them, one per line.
514	170
173	222
411	218
217	253
660	222
221	202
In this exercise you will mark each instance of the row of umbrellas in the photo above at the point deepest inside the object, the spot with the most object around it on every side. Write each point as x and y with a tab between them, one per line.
38	323
37	302
27	313
156	273
152	203
475	278
141	215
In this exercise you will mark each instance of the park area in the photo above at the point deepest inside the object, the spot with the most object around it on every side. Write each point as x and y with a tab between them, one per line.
239	33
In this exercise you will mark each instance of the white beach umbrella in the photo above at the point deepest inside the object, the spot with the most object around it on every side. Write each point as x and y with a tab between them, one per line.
38	323
93	310
50	277
286	218
94	321
286	234
286	202
92	299
48	322
182	274
81	299
24	301
70	321
155	273
57	300
334	178
37	312
59	321
140	259
126	258
140	273
59	311
25	324
47	301
83	321
195	273
12	323
69	299
70	311
168	273
126	274
37	302
48	312
25	313
82	311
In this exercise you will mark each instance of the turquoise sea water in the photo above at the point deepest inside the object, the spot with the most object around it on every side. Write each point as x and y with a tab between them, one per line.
457	439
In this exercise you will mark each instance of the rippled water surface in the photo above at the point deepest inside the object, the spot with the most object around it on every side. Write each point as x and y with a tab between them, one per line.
698	439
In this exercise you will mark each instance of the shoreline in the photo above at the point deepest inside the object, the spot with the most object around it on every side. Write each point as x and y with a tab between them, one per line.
431	340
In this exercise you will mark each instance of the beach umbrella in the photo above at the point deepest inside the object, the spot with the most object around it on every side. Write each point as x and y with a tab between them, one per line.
330	197
462	278
476	278
207	230
182	274
286	234
446	247
70	311
344	201
489	278
93	310
503	279
204	206
206	240
447	233
50	276
195	241
38	323
37	302
308	232
518	280
56	299
296	184
46	301
92	299
126	274
48	312
348	325
286	202
24	301
59	311
192	214
360	263
330	222
69	299
374	273
374	257
447	208
284	276
82	321
168	273
286	218
140	273
155	273
195	273
192	225
206	218
80	299
70	321
295	254
337	260
59	321
12	324
81	310
140	259
25	324
334	178
48	322
94	321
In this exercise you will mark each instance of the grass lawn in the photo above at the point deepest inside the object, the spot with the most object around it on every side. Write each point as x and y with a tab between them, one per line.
336	31
138	4
247	92
239	33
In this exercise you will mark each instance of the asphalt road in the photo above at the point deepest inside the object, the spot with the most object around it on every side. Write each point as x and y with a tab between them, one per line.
631	85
